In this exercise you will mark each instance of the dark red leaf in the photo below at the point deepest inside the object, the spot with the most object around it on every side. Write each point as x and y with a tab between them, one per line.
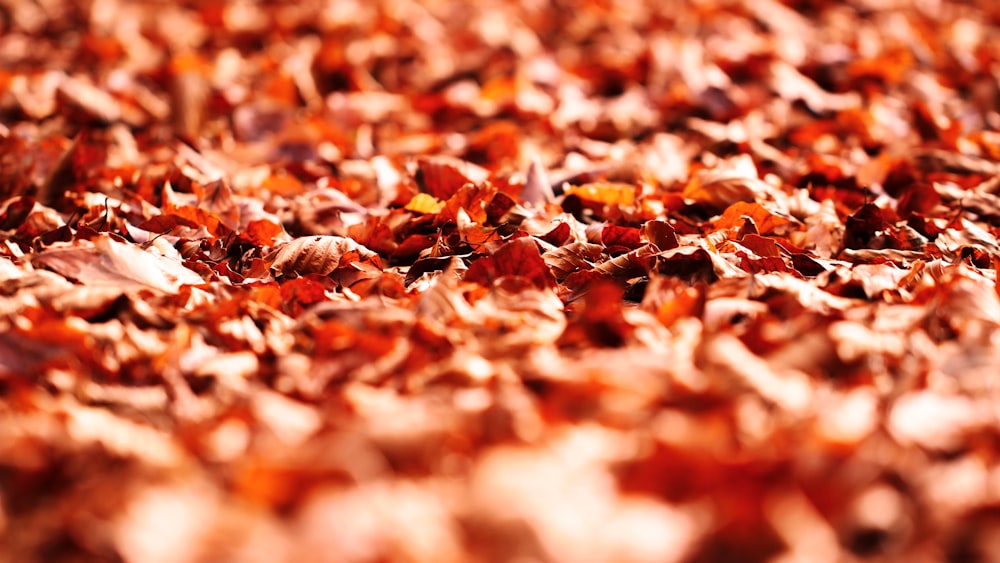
865	224
517	258
15	213
692	266
166	223
558	236
620	239
598	320
660	234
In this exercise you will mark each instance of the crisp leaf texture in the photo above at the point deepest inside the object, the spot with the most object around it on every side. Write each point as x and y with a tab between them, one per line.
318	255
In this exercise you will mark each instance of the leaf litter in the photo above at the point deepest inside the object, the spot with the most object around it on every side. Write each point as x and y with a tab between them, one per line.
442	281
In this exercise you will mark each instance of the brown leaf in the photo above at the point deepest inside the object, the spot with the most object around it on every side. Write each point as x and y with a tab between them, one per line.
318	255
730	181
572	257
634	263
537	189
660	234
92	101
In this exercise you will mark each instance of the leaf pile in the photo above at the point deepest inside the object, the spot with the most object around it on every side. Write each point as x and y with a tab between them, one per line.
420	281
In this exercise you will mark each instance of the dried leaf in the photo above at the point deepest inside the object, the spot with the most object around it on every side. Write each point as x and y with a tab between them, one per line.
105	261
442	177
516	258
424	203
607	193
766	222
318	255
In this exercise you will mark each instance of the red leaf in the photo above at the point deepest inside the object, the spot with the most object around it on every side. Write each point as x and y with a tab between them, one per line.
413	245
300	293
761	246
442	177
918	197
517	258
559	235
166	223
620	239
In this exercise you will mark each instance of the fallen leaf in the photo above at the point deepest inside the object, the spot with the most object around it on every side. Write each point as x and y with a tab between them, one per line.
517	258
105	261
318	255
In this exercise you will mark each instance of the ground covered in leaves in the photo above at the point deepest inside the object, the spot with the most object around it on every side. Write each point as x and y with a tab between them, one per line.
588	281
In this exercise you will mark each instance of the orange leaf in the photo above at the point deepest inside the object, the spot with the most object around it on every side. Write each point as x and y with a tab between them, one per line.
197	216
261	232
610	193
282	184
424	203
765	221
473	200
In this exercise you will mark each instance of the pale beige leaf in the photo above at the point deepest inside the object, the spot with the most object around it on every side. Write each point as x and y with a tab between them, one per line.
105	261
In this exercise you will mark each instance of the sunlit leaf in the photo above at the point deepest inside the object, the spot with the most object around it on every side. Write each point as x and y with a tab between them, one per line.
765	221
606	193
424	203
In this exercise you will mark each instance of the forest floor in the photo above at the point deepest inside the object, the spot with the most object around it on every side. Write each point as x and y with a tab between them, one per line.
440	281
